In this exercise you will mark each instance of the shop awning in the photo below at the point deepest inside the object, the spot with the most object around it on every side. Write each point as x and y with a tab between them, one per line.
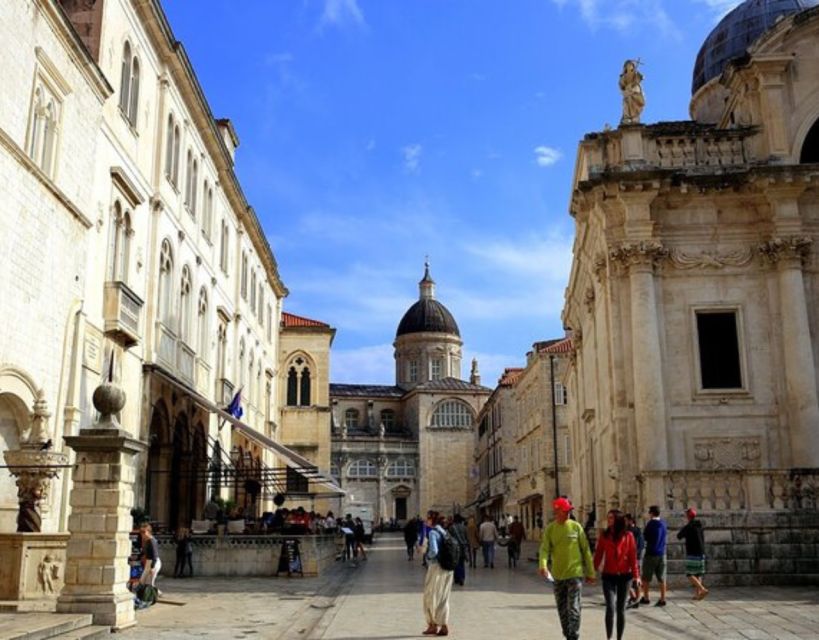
530	498
284	454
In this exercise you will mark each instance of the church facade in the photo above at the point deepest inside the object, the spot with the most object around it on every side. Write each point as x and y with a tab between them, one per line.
408	447
692	298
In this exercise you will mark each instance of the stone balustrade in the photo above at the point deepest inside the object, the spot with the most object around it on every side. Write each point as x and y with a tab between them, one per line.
739	490
249	555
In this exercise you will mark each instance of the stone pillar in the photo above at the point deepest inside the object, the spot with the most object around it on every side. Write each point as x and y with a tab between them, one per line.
101	500
649	392
800	369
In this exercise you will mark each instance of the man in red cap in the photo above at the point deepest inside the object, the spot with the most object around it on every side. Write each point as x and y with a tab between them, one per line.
565	549
694	552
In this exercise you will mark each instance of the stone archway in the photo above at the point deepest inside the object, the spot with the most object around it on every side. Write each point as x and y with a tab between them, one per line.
157	489
810	147
14	421
181	475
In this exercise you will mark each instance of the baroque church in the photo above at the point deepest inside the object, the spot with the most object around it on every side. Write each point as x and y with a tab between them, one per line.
408	447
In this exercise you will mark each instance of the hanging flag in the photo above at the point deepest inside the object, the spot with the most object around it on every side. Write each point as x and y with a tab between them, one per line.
235	406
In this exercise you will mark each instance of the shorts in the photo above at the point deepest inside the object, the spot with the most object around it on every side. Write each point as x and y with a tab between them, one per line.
695	566
653	566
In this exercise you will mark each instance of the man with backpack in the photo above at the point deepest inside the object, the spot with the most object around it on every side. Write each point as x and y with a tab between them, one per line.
442	557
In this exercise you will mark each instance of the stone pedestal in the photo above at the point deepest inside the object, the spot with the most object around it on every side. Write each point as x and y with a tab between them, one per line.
32	568
101	500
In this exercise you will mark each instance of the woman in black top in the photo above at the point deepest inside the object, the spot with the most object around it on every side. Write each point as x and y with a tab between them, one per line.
151	564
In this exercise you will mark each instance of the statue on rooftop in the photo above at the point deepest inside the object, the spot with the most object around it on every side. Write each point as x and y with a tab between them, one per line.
634	101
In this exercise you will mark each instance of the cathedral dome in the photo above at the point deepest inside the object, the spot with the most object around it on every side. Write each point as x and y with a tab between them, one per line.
737	31
427	315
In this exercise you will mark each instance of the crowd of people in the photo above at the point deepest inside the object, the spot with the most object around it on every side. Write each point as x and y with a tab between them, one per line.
626	558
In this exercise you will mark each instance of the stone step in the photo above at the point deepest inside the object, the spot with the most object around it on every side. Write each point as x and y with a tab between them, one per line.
40	626
93	632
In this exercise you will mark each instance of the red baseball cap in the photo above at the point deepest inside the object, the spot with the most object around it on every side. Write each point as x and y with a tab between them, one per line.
562	504
691	512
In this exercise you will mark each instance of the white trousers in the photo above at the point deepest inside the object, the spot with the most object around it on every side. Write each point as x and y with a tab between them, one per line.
149	575
437	587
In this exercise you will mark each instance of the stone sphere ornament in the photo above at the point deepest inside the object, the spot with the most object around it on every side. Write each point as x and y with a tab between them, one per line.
109	400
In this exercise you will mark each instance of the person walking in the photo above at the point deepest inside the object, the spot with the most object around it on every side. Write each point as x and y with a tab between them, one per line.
634	590
488	535
654	561
151	563
517	534
694	538
564	549
348	529
423	532
458	531
411	537
184	553
438	581
474	541
616	558
359	534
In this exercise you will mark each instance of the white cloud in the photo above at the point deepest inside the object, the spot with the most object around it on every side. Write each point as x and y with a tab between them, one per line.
412	157
546	156
340	13
720	7
624	15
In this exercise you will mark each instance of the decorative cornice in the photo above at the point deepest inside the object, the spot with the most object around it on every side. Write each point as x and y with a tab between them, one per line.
786	249
711	259
645	252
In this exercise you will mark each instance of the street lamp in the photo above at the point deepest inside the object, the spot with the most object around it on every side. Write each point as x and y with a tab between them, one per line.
554	422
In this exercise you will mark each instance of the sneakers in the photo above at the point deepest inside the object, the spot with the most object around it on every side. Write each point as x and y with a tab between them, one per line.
644	600
660	603
633	604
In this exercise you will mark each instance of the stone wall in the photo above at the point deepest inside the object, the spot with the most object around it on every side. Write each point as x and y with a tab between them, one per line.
249	555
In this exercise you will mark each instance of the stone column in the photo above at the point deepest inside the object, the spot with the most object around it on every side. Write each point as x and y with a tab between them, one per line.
649	392
101	500
800	369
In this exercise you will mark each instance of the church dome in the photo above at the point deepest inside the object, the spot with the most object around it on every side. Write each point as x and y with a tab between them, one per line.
427	315
737	31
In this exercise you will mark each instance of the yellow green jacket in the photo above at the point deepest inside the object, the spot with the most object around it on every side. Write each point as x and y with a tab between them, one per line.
565	550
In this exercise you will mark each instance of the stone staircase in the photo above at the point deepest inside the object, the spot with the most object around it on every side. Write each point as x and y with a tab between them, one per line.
49	626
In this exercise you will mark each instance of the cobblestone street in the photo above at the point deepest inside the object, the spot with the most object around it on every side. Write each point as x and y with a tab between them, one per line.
381	600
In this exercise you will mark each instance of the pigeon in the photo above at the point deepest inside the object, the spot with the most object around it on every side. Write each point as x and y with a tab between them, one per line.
47	445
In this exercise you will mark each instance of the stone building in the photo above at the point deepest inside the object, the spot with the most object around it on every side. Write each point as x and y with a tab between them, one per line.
495	454
407	448
693	294
133	255
540	433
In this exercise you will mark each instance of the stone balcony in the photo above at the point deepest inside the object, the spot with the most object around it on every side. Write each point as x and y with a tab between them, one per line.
684	146
121	310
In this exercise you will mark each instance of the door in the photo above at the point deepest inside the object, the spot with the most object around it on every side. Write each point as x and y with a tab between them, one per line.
401	508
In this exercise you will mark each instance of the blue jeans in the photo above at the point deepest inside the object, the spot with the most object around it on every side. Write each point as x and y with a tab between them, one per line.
488	554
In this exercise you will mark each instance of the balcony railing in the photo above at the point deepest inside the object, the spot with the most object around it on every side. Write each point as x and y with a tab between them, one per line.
166	346
224	391
202	376
121	310
185	359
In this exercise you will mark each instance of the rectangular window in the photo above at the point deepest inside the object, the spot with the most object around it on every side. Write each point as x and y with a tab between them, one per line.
560	394
435	369
413	371
718	342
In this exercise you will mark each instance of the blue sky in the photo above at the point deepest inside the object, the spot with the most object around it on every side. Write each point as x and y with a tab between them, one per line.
375	132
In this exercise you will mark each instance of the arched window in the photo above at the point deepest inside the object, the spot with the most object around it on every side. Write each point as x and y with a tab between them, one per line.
169	135
185	285
810	148
223	248
452	413
250	378
49	137
401	469
304	396
388	418
37	117
165	283
242	362
119	244
194	188
188	178
134	97
292	387
244	275
203	325
363	469
177	138
260	306
253	290
125	78
221	353
351	418
207	215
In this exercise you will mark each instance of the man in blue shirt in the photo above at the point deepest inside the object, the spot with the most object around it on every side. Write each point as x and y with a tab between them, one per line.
654	562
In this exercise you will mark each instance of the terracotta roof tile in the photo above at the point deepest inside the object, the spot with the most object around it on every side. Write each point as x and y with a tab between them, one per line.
510	376
291	320
559	347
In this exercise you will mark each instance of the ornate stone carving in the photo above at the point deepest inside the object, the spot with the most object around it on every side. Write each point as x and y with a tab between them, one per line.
39	432
711	259
48	574
34	470
589	298
600	265
783	249
648	252
631	87
727	453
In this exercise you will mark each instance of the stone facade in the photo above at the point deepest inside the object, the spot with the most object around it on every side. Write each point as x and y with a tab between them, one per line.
406	449
691	297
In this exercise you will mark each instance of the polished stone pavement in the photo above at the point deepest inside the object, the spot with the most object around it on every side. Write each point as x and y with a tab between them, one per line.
380	599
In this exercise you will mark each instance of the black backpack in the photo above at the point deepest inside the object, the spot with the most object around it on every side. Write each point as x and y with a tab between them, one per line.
449	552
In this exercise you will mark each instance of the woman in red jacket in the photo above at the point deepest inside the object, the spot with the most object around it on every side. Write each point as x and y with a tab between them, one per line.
616	558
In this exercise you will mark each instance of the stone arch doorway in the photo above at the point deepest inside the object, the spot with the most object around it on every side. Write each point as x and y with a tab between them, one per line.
810	147
158	481
14	421
181	475
400	498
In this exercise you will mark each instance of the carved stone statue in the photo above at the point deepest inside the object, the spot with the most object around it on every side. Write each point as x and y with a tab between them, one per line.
634	100
48	572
